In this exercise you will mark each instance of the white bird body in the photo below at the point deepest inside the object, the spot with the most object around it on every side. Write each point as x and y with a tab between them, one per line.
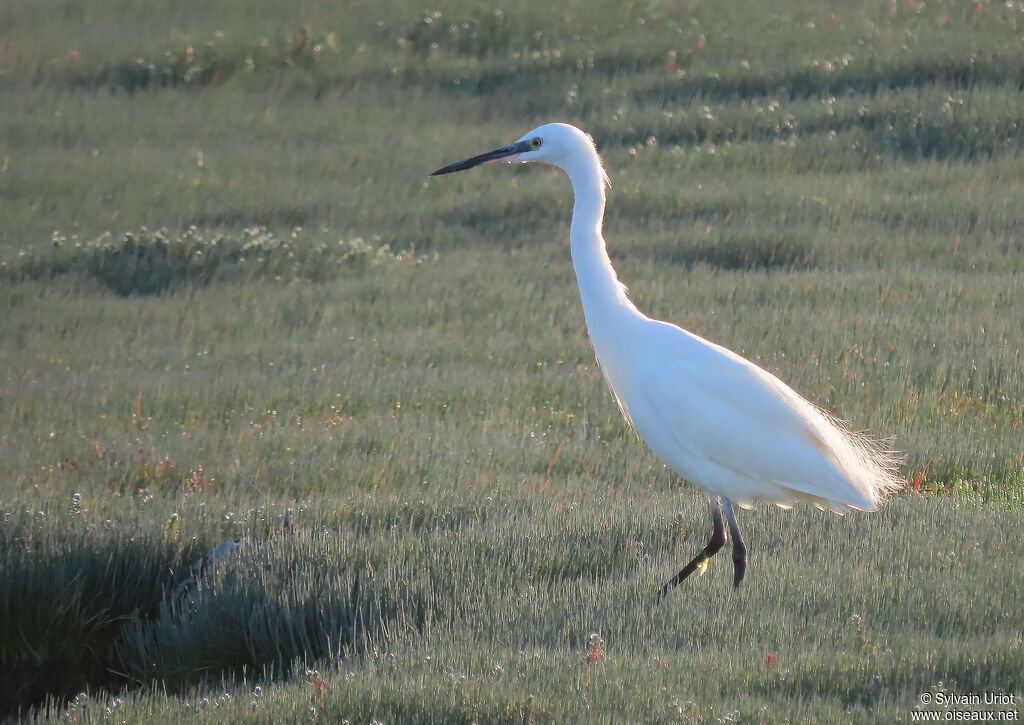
713	417
730	426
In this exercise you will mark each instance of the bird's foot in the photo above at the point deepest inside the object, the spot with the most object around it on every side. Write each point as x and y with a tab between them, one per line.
739	563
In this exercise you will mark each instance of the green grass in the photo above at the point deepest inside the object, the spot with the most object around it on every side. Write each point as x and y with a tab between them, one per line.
233	296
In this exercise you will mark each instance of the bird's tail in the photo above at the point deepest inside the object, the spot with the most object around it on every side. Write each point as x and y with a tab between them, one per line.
866	465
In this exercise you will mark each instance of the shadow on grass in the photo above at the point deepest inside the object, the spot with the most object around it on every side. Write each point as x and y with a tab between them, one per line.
64	603
82	614
531	88
754	253
817	82
905	134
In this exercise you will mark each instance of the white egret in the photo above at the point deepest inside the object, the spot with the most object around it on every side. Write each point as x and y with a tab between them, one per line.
715	418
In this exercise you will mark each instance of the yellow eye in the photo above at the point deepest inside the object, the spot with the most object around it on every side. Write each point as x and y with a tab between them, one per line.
536	142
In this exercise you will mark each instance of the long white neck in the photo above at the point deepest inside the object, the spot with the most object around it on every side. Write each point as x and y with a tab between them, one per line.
602	294
611	318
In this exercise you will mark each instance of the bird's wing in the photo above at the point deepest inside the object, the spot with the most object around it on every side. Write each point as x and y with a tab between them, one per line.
707	405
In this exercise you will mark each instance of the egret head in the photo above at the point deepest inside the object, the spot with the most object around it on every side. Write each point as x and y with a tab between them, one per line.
558	144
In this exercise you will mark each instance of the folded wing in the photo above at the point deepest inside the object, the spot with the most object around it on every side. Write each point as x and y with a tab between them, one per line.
735	429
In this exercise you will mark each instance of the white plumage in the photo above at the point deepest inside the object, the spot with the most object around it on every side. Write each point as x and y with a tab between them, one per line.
713	417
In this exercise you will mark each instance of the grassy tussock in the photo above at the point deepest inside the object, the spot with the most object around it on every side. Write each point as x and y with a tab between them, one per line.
148	263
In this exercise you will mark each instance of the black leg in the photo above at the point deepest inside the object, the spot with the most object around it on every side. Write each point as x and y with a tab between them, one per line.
739	549
716	542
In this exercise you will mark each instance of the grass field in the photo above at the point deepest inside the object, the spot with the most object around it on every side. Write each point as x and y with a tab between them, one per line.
236	308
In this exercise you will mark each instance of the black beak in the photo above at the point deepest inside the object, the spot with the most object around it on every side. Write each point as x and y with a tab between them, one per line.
487	158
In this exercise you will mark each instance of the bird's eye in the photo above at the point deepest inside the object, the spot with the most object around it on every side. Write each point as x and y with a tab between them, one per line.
536	142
